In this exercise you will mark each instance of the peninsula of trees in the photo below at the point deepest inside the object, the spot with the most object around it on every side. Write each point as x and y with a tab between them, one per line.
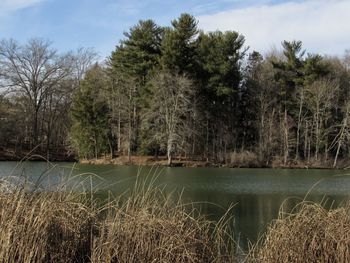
176	92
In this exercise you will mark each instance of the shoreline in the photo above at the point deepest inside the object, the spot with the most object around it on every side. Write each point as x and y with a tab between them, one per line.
142	160
10	155
190	163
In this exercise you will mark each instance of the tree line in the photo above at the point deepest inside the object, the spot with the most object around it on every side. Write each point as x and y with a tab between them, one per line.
178	91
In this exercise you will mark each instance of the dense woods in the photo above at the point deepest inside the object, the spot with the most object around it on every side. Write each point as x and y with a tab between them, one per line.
177	92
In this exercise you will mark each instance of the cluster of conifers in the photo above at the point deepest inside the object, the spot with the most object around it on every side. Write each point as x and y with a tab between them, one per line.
178	92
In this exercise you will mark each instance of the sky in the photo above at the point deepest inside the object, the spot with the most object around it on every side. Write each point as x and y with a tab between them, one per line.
322	25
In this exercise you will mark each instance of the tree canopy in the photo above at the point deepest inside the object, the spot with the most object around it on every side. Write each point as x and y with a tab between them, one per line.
177	91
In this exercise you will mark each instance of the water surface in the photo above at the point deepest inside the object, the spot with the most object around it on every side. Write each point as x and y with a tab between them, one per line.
256	193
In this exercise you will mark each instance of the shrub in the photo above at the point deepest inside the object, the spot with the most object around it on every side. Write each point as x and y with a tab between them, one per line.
244	159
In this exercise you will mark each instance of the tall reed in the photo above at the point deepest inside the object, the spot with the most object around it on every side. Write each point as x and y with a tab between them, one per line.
44	226
146	226
153	227
310	233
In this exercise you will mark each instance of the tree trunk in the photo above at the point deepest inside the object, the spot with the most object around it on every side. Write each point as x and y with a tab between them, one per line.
111	144
35	125
337	153
341	136
119	124
207	142
317	131
306	138
169	151
129	144
261	134
286	138
299	125
96	150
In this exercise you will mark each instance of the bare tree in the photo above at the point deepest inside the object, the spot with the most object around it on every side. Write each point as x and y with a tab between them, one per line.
82	58
170	111
300	98
343	134
346	59
266	113
320	97
33	70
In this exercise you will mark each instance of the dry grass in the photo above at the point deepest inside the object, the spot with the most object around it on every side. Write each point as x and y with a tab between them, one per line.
147	226
43	227
310	234
150	227
244	159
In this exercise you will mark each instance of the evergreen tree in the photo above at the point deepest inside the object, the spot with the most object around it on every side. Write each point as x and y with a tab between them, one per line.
249	99
179	45
219	76
130	67
139	52
90	116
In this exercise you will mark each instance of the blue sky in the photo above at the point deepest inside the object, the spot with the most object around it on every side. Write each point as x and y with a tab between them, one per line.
69	24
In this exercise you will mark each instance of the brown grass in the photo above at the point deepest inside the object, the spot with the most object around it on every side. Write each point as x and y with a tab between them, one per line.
43	227
147	226
244	159
151	227
310	234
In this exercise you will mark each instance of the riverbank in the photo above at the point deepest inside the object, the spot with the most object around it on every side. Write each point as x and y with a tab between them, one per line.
235	160
149	161
191	163
36	155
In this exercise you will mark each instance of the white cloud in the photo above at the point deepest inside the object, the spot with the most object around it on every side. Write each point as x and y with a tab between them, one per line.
322	25
8	6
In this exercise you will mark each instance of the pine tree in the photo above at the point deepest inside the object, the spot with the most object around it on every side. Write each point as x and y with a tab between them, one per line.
179	45
218	74
90	116
130	67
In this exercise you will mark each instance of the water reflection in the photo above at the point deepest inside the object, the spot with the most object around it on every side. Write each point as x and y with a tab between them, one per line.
256	193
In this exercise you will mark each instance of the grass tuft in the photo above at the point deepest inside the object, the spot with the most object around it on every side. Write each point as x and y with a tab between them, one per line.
43	227
151	227
310	234
146	226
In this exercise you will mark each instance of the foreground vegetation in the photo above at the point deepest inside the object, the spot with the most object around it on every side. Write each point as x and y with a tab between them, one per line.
150	226
147	226
176	92
309	234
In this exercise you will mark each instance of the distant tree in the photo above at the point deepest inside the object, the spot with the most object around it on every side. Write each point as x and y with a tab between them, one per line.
139	52
261	95
179	56
121	101
33	70
11	122
130	67
90	115
83	59
293	73
319	98
218	74
170	109
179	45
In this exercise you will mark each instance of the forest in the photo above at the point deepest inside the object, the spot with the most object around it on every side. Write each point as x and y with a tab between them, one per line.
176	92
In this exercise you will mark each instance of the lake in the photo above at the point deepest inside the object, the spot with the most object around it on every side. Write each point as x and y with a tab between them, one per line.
256	193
